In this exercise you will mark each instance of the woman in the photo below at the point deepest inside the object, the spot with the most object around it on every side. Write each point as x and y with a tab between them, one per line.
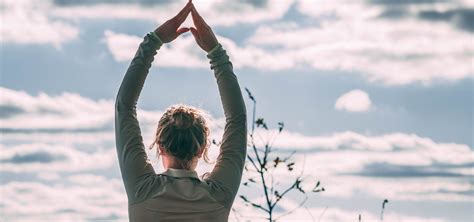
178	194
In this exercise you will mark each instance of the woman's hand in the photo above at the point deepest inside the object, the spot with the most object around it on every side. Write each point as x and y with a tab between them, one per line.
203	34
169	31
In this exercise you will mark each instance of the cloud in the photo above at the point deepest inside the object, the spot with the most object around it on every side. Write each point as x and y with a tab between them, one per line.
391	164
79	198
37	157
354	101
123	47
24	22
425	52
361	45
95	2
394	148
80	201
311	213
61	113
382	169
460	17
392	52
398	188
66	111
456	13
217	13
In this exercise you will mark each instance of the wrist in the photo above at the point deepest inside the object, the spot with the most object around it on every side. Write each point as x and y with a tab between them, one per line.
214	49
154	37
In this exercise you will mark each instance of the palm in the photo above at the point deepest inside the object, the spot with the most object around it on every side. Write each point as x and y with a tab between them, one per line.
203	34
170	30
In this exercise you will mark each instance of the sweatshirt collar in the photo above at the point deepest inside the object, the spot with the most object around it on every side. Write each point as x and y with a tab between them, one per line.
181	173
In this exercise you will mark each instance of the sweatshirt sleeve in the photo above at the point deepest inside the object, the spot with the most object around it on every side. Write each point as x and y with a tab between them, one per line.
131	153
233	150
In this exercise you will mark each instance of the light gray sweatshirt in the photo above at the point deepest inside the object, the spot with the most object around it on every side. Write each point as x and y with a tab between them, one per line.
177	194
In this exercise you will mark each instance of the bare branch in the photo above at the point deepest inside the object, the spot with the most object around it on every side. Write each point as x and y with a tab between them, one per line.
253	163
293	186
256	153
253	204
254	108
265	190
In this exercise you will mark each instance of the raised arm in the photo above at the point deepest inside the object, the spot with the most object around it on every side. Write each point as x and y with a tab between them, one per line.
129	143
231	159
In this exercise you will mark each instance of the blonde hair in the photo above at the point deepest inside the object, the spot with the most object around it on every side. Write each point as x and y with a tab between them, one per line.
183	132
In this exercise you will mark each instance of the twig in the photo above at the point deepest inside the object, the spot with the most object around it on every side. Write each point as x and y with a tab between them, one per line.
285	192
383	208
253	204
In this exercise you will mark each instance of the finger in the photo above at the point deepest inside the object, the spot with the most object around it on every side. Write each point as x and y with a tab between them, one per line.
196	36
182	30
181	16
184	9
194	16
197	19
195	33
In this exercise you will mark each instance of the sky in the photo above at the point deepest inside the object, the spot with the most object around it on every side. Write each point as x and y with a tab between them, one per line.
376	97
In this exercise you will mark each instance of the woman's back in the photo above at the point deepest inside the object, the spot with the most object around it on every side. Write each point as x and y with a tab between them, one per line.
180	195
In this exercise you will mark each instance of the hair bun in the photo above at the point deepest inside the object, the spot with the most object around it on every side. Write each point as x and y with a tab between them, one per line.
182	120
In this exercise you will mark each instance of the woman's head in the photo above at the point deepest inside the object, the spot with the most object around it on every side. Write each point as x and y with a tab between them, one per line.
182	135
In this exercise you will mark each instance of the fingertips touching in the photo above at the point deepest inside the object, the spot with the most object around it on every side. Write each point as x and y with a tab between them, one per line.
182	30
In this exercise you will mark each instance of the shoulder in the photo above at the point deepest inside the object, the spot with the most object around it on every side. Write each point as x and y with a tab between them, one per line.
218	191
147	187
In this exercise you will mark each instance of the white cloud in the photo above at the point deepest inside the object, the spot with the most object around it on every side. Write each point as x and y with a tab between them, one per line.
395	148
123	48
83	200
364	46
387	51
66	111
393	52
216	13
354	101
398	189
25	22
62	202
309	213
36	157
48	176
397	166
